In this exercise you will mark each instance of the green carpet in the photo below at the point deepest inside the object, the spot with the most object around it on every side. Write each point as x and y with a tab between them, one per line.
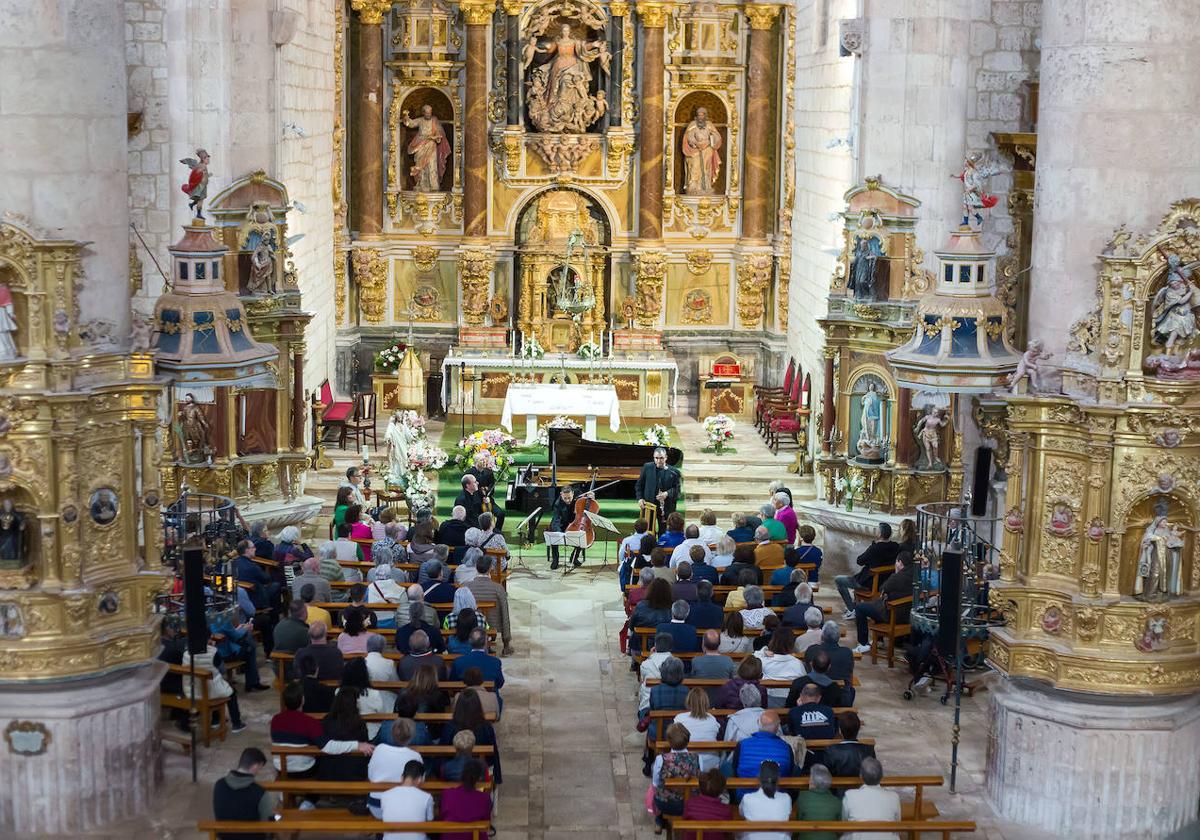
622	512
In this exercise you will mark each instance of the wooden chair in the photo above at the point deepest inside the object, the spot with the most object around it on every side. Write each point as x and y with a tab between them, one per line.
206	705
891	630
791	421
777	405
362	421
871	593
763	397
330	413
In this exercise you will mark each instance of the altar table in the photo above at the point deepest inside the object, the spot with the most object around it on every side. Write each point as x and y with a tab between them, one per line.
591	401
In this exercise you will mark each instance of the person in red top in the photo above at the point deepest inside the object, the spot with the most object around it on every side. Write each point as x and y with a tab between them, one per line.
293	728
707	805
466	803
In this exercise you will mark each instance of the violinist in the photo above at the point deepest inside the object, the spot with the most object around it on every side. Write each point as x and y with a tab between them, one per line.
486	478
562	513
471	500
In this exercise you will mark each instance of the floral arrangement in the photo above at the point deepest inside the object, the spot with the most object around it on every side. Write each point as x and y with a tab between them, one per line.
532	348
497	445
419	493
656	435
589	351
559	422
388	358
851	487
719	429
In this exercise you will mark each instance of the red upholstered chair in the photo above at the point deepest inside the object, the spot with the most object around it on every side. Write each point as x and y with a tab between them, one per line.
780	405
331	413
765	396
791	420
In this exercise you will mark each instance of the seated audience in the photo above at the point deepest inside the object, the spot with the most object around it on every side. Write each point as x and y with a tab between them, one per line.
812	719
421	542
465	621
749	672
466	803
733	635
468	569
683	588
486	589
473	680
417	623
791	591
704	614
841	659
818	804
468	715
880	555
489	537
898	586
310	574
832	694
354	635
745	721
683	551
684	638
346	550
489	665
701	569
908	536
845	758
464	748
741	531
763	745
406	709
743	561
291	633
371	701
767	804
628	553
379	667
767	555
386	588
294	728
650	666
871	803
290	546
712	664
419	652
813	618
679	763
802	595
328	657
636	595
775	529
437	590
701	724
313	613
653	610
344	722
406	803
658	564
741	578
218	687
423	689
723	556
453	532
778	663
783	575
754	612
318	697
809	553
785	514
770	623
413	604
708	804
389	760
710	534
673	536
327	556
237	796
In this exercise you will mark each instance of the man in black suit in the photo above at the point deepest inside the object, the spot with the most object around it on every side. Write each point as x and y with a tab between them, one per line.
562	514
683	635
899	585
658	490
471	500
880	554
486	479
453	531
841	659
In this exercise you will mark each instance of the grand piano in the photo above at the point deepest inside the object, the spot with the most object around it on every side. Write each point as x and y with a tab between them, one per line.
576	461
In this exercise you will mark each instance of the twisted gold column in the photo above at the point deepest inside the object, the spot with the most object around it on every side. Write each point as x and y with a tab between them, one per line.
475	141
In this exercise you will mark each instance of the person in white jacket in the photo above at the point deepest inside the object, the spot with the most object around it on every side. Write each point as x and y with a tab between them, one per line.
871	803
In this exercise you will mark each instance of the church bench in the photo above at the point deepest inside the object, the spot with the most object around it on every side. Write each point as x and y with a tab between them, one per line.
426	717
698	682
205	705
430	750
916	808
890	630
390	632
915	828
813	745
309	824
292	788
669	714
283	661
643	655
382	606
825	610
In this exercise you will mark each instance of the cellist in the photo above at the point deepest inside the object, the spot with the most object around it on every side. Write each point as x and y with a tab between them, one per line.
562	514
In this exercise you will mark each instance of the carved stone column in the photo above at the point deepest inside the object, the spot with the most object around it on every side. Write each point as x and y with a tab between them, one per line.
828	411
904	438
761	88
512	8
477	14
475	272
650	195
366	217
620	11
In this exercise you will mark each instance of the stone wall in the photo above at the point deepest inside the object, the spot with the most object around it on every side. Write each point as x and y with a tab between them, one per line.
62	120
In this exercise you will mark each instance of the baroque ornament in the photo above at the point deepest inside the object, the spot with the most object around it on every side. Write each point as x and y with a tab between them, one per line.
651	274
476	269
754	276
370	275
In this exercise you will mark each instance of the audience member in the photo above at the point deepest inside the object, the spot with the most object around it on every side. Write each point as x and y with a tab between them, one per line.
744	722
341	503
775	529
743	561
778	663
327	556
767	804
897	587
310	575
344	722
763	745
724	553
755	612
290	546
379	667
767	555
684	589
845	758
770	624
417	622
328	657
710	534
812	719
421	542
651	665
683	635
313	613
785	514
385	588
707	804
812	633
354	635
464	599
419	651
438	590
468	715
783	575
629	552
636	595
741	531
791	591
490	666
832	694
871	803
218	687
237	796
407	802
487	590
464	749
712	664
468	569
802	602
389	760
294	728
673	536
749	672
291	633
466	803
653	610
413	604
473	680
346	550
841	659
669	695
818	804
318	697
683	551
701	568
880	555
908	536
679	763
658	564
266	589
704	614
733	635
701	724
423	689
809	553
371	701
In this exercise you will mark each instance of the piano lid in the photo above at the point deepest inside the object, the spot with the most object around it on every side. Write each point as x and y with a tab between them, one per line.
569	449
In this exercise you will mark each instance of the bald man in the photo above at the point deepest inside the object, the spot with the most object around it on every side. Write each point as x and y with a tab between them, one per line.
763	745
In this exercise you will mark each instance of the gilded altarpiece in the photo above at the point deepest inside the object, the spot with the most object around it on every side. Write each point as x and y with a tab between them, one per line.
1100	581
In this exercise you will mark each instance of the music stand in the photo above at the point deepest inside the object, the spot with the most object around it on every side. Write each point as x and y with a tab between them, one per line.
518	559
607	524
572	539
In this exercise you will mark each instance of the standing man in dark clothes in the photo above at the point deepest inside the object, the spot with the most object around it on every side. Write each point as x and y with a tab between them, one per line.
658	490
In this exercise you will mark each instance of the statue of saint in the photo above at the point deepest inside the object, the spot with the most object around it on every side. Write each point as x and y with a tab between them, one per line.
872	413
194	428
1160	565
868	248
701	155
430	150
12	535
926	431
1027	368
559	96
262	265
1174	310
8	325
196	189
974	177
397	444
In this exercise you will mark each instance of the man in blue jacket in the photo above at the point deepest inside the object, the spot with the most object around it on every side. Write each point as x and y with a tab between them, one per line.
684	638
763	745
245	569
487	664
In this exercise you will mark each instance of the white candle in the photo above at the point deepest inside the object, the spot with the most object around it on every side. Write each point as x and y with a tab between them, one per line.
366	454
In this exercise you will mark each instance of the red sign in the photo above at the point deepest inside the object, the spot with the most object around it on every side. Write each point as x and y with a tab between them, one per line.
726	369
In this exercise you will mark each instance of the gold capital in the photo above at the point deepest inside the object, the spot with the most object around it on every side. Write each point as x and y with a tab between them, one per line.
512	8
762	15
477	12
371	12
619	8
654	15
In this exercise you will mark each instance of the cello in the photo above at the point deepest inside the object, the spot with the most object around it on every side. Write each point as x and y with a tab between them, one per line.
584	505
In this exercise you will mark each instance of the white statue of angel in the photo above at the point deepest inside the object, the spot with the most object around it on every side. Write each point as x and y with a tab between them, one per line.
1027	368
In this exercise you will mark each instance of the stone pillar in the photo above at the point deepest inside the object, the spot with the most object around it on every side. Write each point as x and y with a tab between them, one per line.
904	438
1117	106
616	43
366	204
757	185
650	194
1080	767
828	411
298	408
512	9
475	140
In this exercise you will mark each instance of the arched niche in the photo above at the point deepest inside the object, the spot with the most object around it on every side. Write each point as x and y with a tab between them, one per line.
1181	511
443	109
21	570
13	299
718	115
859	387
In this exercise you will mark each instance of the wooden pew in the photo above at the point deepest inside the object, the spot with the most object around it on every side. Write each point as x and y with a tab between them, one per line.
390	632
727	746
915	828
292	788
669	714
383	606
706	683
353	826
431	750
206	705
427	717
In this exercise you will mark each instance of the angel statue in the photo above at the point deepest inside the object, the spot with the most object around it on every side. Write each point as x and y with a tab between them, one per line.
1160	566
559	89
1174	310
1027	368
974	176
196	189
926	432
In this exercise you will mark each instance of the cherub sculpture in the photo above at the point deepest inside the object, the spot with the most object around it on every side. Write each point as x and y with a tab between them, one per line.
1027	368
196	188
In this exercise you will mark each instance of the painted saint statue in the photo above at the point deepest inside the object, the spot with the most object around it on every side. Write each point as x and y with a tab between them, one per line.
429	149
1175	304
560	99
701	155
8	325
1160	566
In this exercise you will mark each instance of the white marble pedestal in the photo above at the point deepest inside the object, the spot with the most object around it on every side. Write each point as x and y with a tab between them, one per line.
278	513
101	761
846	534
1077	766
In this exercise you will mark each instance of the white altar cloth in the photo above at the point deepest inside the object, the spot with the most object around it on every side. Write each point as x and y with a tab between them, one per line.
590	401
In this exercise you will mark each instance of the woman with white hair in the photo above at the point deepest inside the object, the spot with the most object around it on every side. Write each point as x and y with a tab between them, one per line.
289	545
755	612
724	553
384	587
466	571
